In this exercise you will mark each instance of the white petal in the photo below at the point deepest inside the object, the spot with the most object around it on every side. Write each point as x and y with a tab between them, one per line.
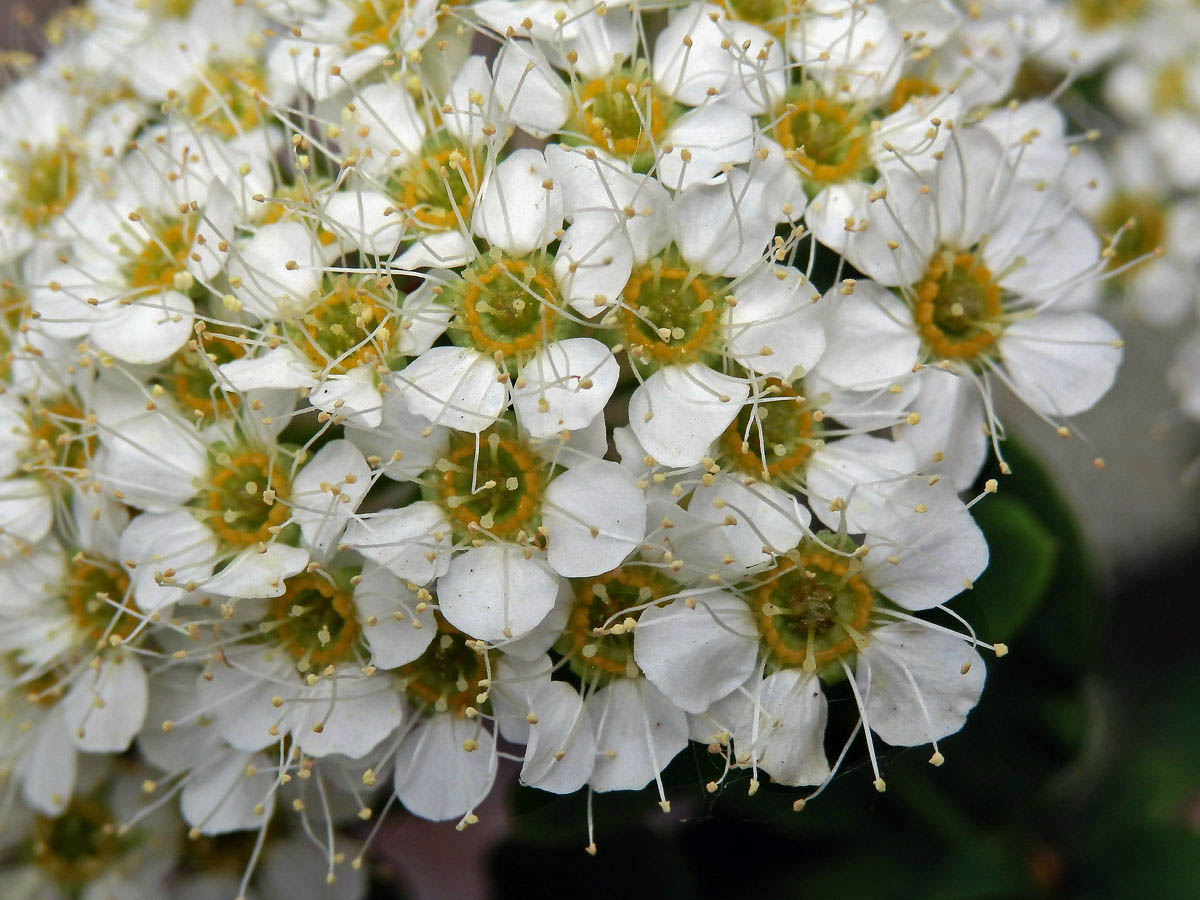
423	318
696	655
48	767
688	58
220	797
26	510
950	439
148	330
394	128
276	369
776	327
595	516
918	684
156	542
594	261
382	596
722	229
565	387
787	740
106	706
679	411
642	729
413	542
453	386
715	135
252	574
924	546
355	714
436	778
239	690
363	220
561	749
262	265
859	472
766	521
466	119
353	395
1061	364
515	210
442	249
153	462
321	513
529	91
494	593
871	339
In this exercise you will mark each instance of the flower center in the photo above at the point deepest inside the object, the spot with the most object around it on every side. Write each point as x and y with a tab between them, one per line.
439	188
377	21
503	306
810	609
96	596
316	621
241	505
601	603
164	255
624	115
958	306
191	373
824	140
14	306
1142	226
45	690
47	180
225	98
76	848
671	316
499	492
60	450
760	12
773	438
1096	14
171	9
348	328
446	677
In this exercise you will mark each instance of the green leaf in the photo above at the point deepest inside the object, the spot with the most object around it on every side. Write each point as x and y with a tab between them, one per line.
1024	554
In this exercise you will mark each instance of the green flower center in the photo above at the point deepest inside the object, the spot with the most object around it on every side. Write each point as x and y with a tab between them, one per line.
60	450
499	492
759	12
504	306
447	676
77	847
773	438
958	306
48	180
190	375
225	97
600	603
811	610
97	595
241	504
438	189
624	114
1096	14
825	141
671	316
315	621
1142	225
350	327
164	255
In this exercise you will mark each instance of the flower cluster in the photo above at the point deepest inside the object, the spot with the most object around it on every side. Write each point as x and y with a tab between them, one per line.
392	388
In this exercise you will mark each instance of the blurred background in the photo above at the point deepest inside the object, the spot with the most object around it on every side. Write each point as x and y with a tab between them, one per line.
1077	776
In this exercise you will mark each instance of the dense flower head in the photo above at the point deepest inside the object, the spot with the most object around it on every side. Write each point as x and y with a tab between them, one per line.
394	389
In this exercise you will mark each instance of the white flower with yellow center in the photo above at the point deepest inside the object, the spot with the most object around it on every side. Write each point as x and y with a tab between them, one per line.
971	265
49	159
824	613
